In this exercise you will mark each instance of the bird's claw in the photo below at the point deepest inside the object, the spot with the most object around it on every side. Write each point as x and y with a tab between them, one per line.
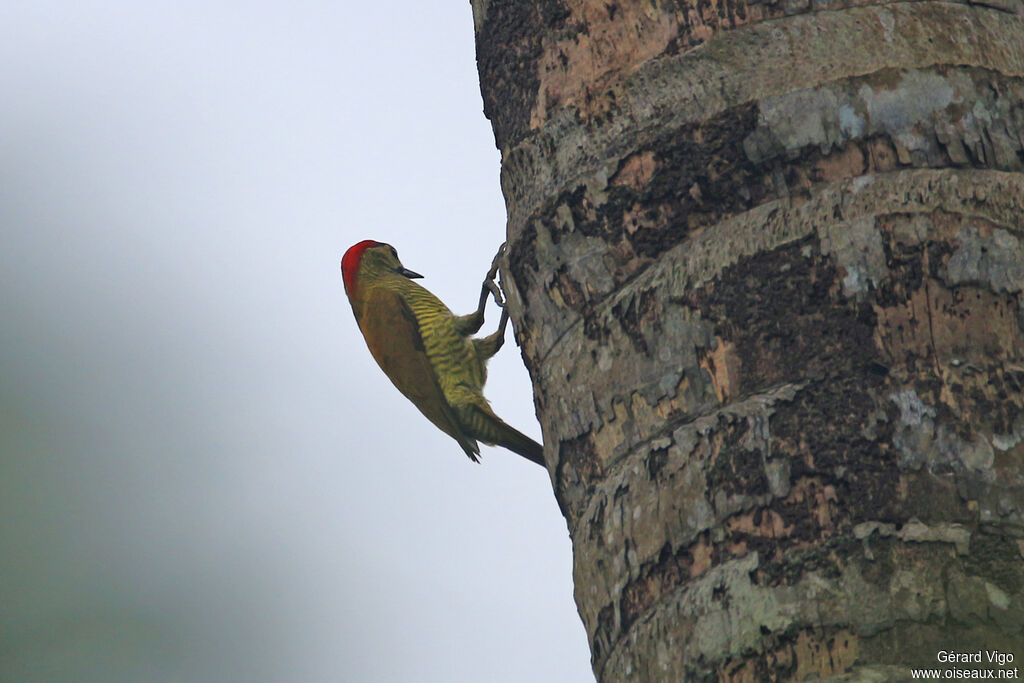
492	286
495	291
495	262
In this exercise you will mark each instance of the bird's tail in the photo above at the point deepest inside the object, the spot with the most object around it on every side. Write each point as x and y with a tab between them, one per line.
480	423
517	442
483	425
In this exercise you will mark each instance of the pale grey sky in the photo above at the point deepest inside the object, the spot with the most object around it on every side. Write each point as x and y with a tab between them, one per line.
203	475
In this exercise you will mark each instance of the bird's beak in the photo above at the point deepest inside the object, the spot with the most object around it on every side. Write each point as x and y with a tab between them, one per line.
408	273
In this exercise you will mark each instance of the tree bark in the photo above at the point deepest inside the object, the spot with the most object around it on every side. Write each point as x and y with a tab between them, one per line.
766	267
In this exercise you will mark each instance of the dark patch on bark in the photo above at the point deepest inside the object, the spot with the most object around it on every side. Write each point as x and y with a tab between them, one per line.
570	290
778	658
582	210
671	48
634	315
997	413
594	329
1008	381
577	460
603	641
523	254
919	269
705	15
793	564
669	571
880	568
596	524
656	463
736	469
784	313
702	173
906	271
934	498
508	47
907	262
822	431
996	559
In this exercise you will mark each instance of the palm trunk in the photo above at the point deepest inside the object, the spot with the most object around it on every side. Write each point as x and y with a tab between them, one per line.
767	265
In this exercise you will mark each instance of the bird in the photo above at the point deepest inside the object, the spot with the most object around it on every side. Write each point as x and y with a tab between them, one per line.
428	352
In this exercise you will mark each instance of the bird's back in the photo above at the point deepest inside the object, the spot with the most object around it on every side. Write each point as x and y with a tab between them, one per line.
451	354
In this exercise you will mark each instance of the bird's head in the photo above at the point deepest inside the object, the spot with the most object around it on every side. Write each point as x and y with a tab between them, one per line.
370	259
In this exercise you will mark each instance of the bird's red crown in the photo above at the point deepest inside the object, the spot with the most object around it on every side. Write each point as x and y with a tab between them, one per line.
350	263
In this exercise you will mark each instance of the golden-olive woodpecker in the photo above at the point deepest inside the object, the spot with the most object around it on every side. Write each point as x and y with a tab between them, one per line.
426	351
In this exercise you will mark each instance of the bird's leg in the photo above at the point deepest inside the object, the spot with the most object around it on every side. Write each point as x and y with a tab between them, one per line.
489	345
470	324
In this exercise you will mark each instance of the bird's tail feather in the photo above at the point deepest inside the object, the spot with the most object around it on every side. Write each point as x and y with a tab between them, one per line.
483	425
517	442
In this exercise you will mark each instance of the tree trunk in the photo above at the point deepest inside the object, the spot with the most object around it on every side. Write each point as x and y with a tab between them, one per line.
766	266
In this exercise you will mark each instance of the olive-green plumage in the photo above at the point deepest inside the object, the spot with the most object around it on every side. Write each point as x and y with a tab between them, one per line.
427	351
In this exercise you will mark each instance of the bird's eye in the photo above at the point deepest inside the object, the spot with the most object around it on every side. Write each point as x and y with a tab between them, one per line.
394	252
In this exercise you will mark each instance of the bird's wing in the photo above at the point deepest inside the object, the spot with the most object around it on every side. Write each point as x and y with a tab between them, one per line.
393	335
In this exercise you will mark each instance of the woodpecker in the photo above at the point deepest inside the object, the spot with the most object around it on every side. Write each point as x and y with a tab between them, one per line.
427	352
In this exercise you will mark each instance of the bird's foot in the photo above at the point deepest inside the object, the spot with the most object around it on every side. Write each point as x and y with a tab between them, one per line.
492	286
